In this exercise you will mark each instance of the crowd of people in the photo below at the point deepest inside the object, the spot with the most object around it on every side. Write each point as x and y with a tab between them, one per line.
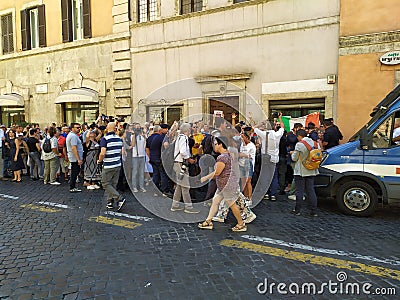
232	164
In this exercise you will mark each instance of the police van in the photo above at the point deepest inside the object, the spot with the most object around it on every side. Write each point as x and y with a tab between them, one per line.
366	170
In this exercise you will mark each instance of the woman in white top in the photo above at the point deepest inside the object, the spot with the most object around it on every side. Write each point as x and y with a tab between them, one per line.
247	157
138	144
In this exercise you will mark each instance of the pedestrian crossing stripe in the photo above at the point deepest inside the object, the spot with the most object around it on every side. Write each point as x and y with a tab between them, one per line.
40	208
115	222
315	259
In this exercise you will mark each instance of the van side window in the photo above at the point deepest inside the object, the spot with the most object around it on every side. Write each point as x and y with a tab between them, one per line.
382	137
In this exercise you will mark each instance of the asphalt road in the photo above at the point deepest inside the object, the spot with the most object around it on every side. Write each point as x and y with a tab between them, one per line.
57	245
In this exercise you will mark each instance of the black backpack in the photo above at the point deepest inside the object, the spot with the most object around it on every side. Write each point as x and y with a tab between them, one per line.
46	145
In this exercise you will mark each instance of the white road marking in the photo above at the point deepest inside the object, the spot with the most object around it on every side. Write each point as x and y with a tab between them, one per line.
321	250
117	214
53	204
9	196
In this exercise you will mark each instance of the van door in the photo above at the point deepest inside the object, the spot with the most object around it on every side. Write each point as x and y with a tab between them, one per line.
383	160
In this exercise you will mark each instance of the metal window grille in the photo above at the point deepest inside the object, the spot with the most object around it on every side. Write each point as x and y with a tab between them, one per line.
147	10
189	6
7	35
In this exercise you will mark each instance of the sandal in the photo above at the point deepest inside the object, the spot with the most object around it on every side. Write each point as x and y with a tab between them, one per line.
240	228
206	225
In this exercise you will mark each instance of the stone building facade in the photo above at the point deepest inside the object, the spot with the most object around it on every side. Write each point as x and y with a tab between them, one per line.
70	60
62	61
274	55
368	30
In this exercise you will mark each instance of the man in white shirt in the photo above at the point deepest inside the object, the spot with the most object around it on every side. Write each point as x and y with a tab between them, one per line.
181	158
269	156
2	138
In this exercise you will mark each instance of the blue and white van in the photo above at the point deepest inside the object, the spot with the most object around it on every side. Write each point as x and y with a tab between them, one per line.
366	170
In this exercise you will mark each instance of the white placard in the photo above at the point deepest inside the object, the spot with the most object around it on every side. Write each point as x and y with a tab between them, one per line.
41	88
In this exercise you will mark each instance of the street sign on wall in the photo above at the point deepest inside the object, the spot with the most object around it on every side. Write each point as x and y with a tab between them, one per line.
390	58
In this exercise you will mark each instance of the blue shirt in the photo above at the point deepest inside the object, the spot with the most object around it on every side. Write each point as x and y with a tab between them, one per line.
74	140
154	143
113	145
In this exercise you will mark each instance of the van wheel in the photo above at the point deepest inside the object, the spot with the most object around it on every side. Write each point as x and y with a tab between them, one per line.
357	198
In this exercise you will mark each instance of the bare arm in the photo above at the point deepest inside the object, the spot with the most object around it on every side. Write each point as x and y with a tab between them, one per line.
102	154
219	167
17	149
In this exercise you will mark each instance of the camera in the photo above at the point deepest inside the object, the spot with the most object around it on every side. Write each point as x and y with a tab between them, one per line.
183	169
275	115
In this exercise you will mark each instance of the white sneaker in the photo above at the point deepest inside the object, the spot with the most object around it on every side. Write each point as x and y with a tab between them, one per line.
293	197
96	187
143	190
55	183
135	190
250	218
90	187
218	219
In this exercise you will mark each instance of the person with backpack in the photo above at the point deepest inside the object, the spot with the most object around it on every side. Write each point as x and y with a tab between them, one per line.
307	155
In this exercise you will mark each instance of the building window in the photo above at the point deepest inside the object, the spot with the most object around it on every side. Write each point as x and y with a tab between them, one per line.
34	24
33	28
189	6
147	10
76	20
7	34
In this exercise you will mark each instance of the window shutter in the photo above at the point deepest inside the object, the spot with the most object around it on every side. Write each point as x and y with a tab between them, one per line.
66	19
42	26
7	35
25	30
87	28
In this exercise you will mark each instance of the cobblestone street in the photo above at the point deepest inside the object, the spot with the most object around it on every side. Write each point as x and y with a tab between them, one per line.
57	245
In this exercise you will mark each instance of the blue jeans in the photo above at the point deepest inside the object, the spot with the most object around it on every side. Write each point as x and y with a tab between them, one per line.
273	188
160	178
35	164
1	162
138	172
305	184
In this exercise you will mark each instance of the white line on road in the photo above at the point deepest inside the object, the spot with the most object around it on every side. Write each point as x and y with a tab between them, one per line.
117	214
9	197
321	250
53	204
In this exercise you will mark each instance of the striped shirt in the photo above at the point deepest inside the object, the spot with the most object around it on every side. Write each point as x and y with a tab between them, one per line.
113	145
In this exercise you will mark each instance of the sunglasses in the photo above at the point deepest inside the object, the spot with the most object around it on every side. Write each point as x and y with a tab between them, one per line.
78	127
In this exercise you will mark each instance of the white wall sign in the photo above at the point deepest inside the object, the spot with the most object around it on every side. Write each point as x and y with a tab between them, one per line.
390	58
41	88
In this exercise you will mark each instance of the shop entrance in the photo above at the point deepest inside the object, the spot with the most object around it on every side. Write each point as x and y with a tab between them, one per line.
227	105
80	113
298	107
13	115
162	114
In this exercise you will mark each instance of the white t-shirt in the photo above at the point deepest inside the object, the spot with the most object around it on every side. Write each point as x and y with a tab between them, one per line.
274	138
396	133
249	149
1	137
181	147
139	150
